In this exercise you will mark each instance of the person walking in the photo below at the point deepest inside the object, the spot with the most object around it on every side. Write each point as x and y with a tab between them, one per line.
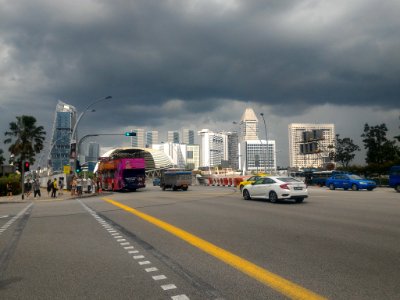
73	186
60	185
9	190
36	188
54	189
89	185
79	186
49	188
28	188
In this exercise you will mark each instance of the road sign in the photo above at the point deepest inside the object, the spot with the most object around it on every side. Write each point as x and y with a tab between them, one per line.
67	170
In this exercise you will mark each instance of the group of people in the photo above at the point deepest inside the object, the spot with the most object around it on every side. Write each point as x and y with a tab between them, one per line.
32	185
54	186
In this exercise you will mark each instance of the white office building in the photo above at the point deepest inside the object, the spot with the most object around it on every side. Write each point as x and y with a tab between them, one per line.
296	139
212	150
260	155
138	140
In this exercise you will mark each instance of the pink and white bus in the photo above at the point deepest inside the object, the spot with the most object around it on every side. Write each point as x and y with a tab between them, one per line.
121	174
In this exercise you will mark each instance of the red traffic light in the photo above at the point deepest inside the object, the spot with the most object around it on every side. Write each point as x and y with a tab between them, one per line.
26	166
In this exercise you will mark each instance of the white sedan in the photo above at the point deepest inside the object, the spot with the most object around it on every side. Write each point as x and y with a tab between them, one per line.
276	188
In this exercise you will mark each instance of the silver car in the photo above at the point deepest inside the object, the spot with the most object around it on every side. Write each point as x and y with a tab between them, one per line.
276	188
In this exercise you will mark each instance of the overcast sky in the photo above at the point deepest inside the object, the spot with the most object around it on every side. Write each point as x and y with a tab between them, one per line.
198	64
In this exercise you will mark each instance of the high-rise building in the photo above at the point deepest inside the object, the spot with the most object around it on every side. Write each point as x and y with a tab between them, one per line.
211	148
93	152
233	150
151	138
138	140
260	155
64	122
249	125
296	139
173	137
188	136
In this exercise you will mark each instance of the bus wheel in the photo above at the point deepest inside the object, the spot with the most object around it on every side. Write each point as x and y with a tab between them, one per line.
397	188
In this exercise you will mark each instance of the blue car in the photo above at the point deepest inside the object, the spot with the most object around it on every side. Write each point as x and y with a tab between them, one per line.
350	181
156	181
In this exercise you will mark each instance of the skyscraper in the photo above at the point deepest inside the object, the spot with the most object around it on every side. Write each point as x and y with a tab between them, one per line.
188	136
151	138
138	140
60	147
211	148
93	152
173	137
249	125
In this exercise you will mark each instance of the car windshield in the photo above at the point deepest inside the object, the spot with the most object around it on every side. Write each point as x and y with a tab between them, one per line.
288	179
355	177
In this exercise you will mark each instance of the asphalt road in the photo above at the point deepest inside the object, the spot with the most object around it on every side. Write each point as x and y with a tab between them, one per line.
206	243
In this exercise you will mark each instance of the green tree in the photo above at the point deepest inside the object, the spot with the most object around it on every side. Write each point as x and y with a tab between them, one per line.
344	151
2	159
26	140
379	149
27	137
398	136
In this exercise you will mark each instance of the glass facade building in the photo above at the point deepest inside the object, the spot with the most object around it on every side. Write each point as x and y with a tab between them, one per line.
60	147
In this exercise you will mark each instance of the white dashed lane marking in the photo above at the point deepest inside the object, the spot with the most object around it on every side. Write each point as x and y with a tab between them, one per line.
126	245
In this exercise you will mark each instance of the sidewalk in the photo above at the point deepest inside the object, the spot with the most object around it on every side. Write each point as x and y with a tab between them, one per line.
66	195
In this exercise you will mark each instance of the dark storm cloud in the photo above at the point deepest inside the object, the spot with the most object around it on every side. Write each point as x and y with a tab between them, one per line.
149	52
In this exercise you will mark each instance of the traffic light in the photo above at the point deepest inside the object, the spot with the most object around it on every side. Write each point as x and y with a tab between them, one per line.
78	168
26	166
130	133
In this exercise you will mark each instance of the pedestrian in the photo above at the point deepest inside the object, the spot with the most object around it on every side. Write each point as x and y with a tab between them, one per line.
73	186
49	186
9	190
36	188
89	185
60	185
79	186
28	188
54	189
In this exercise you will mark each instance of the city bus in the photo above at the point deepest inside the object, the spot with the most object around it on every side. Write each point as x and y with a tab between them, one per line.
121	174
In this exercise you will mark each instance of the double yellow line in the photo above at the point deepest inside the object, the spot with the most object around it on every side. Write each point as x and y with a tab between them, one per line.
264	276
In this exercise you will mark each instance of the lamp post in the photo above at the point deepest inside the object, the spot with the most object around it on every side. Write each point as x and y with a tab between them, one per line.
267	146
74	137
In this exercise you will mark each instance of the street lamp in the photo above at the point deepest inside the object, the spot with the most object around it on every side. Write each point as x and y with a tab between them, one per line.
83	112
267	147
74	138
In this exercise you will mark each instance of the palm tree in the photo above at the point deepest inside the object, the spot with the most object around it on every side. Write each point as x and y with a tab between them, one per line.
28	140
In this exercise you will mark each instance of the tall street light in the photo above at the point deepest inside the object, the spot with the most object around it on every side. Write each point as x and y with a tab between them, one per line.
267	147
74	138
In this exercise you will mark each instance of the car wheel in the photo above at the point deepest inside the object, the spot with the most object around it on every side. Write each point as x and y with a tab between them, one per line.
273	197
397	188
299	200
369	189
331	186
354	187
246	195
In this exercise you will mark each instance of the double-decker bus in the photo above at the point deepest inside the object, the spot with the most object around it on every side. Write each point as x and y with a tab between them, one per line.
118	174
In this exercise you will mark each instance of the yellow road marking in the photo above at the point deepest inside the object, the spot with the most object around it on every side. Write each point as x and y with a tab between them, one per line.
266	277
